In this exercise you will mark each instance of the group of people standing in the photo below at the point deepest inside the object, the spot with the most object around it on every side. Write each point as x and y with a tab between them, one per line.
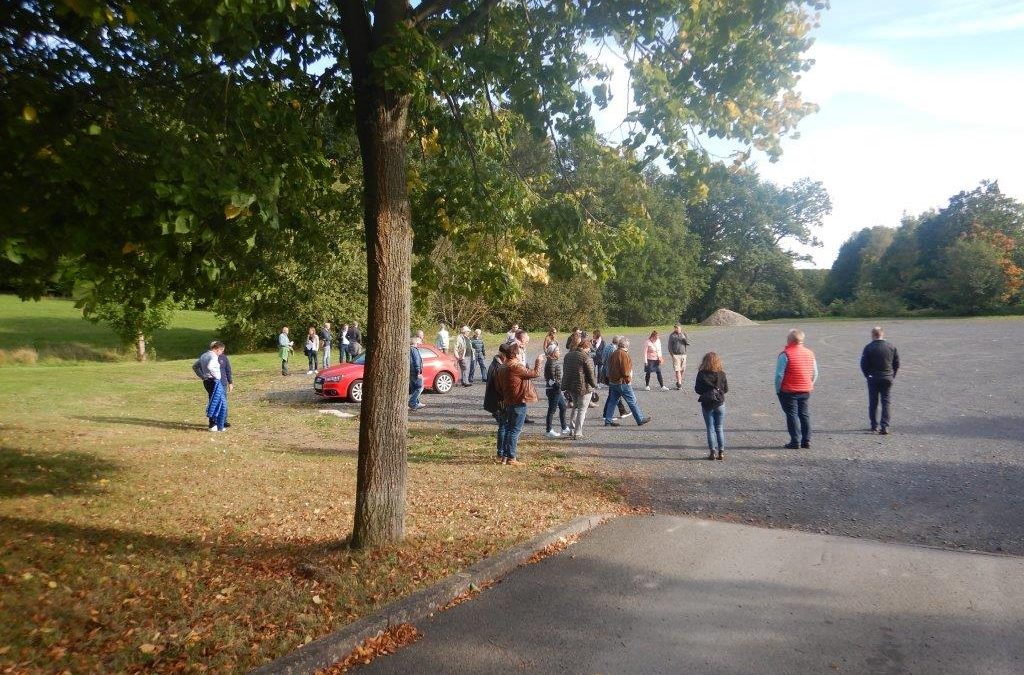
468	349
572	383
318	342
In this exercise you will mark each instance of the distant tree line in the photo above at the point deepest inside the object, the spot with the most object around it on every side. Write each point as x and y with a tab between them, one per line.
964	259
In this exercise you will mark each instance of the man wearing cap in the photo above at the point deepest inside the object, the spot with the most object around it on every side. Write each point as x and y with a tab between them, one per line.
677	344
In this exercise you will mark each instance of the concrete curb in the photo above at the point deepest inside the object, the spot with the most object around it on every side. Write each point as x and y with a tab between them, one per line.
332	648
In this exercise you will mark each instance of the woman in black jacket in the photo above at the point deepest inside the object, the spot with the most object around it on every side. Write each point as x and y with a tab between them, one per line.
711	387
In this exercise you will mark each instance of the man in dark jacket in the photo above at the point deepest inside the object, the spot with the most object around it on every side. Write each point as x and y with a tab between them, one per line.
326	338
879	362
415	377
225	373
479	353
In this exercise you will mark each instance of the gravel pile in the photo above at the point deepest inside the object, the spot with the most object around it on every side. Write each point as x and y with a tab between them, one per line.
727	317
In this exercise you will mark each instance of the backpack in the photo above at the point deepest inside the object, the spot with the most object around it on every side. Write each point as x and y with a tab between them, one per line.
197	368
712	397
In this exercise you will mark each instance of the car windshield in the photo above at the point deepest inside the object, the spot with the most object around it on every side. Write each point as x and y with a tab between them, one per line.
426	353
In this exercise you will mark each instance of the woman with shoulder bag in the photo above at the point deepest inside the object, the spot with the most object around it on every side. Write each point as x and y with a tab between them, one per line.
553	388
711	388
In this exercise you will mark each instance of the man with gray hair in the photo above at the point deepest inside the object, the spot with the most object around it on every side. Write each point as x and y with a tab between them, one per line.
620	375
796	371
880	361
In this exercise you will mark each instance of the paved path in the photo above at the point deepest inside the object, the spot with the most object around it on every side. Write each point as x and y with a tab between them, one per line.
951	475
680	595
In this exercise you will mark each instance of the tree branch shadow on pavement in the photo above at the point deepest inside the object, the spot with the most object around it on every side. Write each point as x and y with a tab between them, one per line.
605	616
966	505
997	427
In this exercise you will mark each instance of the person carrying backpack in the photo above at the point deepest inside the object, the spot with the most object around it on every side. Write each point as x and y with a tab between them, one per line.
711	387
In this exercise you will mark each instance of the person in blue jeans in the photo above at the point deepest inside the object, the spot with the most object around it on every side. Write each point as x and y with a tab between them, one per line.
415	377
517	390
796	372
711	387
620	375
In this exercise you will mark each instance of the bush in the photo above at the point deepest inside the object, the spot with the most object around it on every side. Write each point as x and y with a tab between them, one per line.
870	302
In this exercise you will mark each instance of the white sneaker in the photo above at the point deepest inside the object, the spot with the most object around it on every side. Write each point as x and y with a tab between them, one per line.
566	431
214	428
553	434
628	413
664	388
647	388
309	372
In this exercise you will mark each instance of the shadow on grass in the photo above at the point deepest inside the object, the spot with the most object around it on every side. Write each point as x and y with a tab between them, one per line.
24	473
143	422
254	550
299	398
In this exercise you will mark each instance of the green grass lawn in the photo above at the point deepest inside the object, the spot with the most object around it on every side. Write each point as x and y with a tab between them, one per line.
135	540
56	331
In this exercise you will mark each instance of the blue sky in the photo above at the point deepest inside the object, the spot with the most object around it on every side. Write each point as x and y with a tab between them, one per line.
919	99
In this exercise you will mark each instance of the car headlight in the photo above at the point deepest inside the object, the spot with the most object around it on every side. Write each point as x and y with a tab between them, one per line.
333	378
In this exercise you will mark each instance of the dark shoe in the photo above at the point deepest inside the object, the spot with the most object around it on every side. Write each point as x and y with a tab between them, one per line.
806	445
792	446
711	455
721	455
874	430
227	424
530	420
644	421
883	432
608	423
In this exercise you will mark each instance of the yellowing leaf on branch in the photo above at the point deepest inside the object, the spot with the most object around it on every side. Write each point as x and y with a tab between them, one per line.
28	113
231	211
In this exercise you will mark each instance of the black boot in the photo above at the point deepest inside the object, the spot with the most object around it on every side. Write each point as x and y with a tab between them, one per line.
721	455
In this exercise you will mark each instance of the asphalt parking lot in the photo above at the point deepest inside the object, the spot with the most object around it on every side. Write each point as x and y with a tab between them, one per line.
950	475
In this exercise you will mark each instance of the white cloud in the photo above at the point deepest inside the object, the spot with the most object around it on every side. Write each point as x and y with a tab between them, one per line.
927	134
992	97
954	18
892	136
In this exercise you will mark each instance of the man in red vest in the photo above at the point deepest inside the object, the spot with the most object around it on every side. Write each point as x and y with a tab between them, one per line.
796	371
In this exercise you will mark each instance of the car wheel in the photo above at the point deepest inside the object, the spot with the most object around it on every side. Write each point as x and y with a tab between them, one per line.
443	382
355	392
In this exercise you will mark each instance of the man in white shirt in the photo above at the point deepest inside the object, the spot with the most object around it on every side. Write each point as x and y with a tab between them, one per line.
442	338
207	368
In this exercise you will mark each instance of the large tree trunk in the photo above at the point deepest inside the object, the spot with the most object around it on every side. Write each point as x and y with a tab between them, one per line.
380	487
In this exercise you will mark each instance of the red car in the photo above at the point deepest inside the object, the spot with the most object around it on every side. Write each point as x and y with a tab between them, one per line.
345	380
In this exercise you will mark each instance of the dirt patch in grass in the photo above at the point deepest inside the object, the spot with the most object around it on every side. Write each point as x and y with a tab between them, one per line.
134	540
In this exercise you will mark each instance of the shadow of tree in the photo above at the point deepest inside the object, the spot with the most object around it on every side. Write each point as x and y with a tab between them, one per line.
142	422
24	473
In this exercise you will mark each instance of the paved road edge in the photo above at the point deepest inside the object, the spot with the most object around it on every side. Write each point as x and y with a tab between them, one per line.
330	649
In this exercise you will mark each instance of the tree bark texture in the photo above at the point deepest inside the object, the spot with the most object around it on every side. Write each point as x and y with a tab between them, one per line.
383	419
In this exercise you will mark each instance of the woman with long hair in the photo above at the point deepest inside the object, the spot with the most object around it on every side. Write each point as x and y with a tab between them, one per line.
711	388
652	361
